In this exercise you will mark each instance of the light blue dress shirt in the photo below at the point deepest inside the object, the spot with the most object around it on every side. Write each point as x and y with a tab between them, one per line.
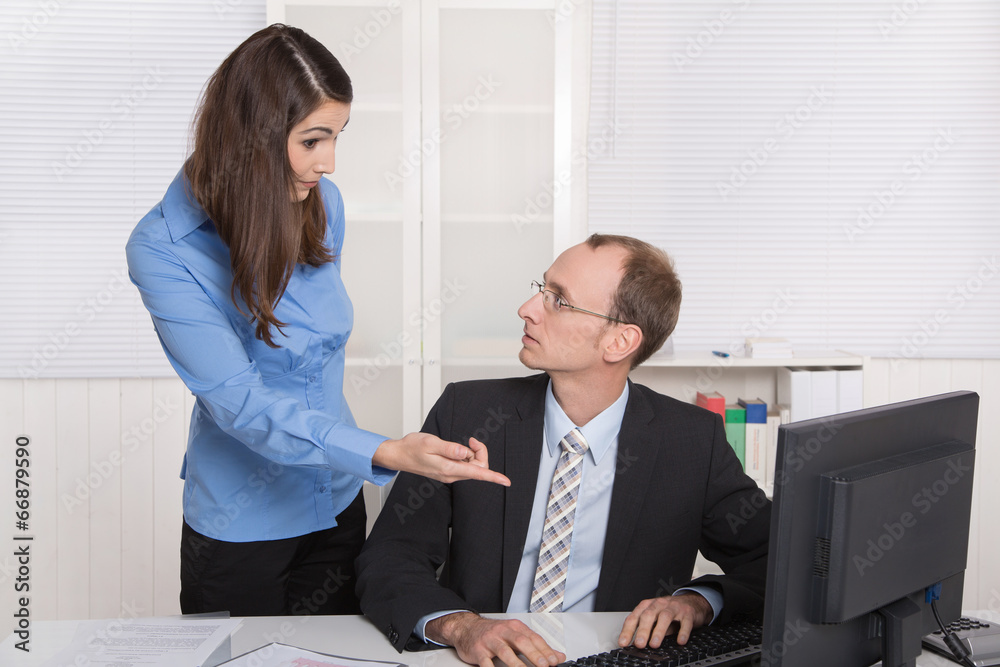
593	510
273	450
593	504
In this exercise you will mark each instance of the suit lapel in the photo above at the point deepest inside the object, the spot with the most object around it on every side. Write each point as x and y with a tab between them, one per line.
522	447
637	452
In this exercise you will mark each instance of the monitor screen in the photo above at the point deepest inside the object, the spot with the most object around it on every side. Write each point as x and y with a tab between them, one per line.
871	509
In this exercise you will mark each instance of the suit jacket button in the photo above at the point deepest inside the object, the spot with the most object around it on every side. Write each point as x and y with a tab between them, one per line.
393	635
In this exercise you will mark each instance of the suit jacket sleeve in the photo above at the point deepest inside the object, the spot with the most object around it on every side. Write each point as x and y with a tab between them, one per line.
397	569
735	531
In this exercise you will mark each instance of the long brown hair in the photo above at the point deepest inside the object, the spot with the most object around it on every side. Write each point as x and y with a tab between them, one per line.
239	169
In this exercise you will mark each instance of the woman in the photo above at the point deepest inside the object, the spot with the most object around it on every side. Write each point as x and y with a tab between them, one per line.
239	267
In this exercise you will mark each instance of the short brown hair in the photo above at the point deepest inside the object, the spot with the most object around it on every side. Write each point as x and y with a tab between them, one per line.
239	169
649	293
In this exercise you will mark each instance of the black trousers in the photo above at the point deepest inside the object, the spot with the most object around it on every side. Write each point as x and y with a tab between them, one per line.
310	574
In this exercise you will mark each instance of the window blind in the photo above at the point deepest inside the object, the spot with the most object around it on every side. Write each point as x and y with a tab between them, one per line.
96	108
825	172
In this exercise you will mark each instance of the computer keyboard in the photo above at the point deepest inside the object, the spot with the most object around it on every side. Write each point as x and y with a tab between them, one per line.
982	638
730	645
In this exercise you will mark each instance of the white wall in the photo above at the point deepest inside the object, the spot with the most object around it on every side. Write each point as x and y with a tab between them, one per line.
106	499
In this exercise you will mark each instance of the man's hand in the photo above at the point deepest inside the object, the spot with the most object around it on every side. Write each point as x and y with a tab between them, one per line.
651	620
430	456
478	640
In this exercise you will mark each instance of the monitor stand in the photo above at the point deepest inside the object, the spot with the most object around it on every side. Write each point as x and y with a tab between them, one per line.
901	633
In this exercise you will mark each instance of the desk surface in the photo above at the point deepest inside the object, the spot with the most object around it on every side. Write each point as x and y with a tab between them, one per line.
354	636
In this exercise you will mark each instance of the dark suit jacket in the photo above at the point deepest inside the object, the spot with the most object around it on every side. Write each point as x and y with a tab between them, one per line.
678	488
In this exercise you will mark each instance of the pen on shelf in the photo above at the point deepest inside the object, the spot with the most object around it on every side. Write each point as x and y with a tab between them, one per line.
720	354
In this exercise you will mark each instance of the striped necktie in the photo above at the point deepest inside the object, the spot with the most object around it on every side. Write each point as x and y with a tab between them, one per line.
557	535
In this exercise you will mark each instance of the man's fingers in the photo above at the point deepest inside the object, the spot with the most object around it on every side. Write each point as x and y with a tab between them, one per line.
534	648
687	623
508	657
645	628
628	629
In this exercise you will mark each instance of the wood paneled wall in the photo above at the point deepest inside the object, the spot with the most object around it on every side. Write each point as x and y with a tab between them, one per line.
106	499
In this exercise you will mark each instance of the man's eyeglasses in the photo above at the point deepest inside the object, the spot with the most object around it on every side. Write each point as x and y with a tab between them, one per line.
555	302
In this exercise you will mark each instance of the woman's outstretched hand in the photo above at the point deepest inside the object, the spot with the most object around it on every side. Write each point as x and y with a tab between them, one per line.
430	456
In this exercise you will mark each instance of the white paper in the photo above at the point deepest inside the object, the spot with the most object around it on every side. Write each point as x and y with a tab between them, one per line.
282	655
144	641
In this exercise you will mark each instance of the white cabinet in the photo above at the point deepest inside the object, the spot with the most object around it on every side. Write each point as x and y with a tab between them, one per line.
453	169
683	375
448	171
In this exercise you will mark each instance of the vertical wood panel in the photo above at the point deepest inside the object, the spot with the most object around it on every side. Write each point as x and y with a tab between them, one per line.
40	426
120	544
935	377
11	426
904	380
876	382
106	500
169	439
76	480
967	374
137	495
988	460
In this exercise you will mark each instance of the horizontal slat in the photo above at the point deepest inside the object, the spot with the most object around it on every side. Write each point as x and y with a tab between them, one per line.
813	148
98	103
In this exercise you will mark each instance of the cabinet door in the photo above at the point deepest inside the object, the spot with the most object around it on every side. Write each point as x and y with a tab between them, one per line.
489	103
379	176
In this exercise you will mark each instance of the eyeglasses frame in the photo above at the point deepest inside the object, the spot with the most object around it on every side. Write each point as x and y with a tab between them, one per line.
561	302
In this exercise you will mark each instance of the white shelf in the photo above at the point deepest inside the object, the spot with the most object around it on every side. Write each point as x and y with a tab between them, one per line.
697	360
377	362
482	361
805	360
493	218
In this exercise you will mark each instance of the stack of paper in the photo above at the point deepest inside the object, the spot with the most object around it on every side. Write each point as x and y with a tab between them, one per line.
768	348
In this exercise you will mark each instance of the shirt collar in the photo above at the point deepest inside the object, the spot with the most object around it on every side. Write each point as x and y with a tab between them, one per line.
600	431
181	213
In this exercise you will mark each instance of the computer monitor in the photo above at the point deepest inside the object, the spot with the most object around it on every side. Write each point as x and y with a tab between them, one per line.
871	508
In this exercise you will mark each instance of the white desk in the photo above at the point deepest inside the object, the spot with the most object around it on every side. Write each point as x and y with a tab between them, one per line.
577	635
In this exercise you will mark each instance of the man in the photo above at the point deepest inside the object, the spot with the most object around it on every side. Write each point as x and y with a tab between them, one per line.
639	484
